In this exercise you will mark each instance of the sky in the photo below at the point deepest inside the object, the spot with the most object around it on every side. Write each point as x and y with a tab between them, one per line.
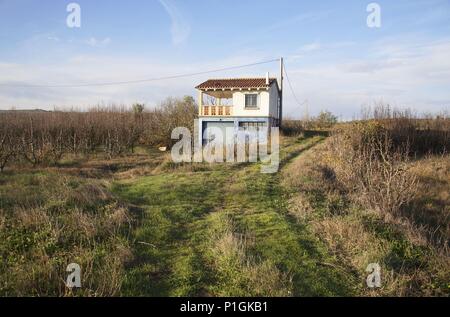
333	59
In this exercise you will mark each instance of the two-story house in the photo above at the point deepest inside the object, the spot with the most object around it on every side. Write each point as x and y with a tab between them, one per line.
238	103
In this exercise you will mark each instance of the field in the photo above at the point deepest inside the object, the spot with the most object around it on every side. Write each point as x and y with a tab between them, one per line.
140	225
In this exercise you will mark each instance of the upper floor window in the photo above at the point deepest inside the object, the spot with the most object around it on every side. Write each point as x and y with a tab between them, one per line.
251	101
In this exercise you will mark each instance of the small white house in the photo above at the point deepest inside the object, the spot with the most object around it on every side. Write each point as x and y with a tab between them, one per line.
239	103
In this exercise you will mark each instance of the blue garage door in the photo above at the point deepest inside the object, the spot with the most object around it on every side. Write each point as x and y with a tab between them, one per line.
210	126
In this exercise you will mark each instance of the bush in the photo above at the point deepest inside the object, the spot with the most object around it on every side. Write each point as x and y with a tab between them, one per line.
368	164
325	120
429	134
172	113
370	157
292	128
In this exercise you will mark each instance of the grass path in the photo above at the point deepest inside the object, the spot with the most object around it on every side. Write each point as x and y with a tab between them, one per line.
180	213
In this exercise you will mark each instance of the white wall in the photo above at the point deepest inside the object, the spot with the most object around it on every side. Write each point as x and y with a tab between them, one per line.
267	102
239	103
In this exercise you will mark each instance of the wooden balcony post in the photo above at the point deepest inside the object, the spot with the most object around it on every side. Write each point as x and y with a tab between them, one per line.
200	102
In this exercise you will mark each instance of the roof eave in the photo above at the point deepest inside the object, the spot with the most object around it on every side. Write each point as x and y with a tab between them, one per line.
204	86
231	88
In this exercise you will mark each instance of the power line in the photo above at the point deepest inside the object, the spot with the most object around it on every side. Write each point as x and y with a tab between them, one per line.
300	104
141	80
290	86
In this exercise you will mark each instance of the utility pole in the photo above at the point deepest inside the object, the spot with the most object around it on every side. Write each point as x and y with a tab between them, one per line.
306	113
280	114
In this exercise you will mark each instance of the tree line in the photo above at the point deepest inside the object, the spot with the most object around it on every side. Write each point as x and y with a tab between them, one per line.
41	137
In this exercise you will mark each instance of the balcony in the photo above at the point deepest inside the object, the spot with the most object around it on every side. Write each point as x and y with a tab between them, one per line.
216	111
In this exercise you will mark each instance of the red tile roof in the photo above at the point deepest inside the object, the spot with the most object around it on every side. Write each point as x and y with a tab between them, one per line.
244	83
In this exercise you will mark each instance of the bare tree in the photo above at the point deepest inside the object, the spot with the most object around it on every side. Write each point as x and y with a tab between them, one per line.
8	148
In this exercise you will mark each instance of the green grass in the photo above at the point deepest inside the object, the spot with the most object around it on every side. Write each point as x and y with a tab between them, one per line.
144	226
179	211
172	205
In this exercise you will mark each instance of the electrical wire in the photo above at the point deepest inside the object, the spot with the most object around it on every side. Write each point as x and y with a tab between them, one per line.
292	90
300	104
137	81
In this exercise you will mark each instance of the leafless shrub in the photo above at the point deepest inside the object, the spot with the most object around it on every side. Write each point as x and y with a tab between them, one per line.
8	146
367	164
45	137
293	127
170	114
355	243
424	134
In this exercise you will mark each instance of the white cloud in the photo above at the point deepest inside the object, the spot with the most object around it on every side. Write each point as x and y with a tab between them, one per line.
98	43
180	28
405	73
414	74
99	69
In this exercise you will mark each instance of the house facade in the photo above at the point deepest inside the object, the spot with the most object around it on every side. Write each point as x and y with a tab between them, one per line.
237	103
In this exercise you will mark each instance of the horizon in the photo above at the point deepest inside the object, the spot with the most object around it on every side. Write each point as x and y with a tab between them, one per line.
340	64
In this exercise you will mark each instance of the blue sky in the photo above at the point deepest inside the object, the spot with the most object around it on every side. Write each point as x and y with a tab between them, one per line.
334	60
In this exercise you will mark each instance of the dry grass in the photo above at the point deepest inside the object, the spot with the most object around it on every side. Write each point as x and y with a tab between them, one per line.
238	272
369	160
430	211
358	235
49	221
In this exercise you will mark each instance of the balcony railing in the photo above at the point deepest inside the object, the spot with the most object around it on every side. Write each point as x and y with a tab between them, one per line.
219	111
